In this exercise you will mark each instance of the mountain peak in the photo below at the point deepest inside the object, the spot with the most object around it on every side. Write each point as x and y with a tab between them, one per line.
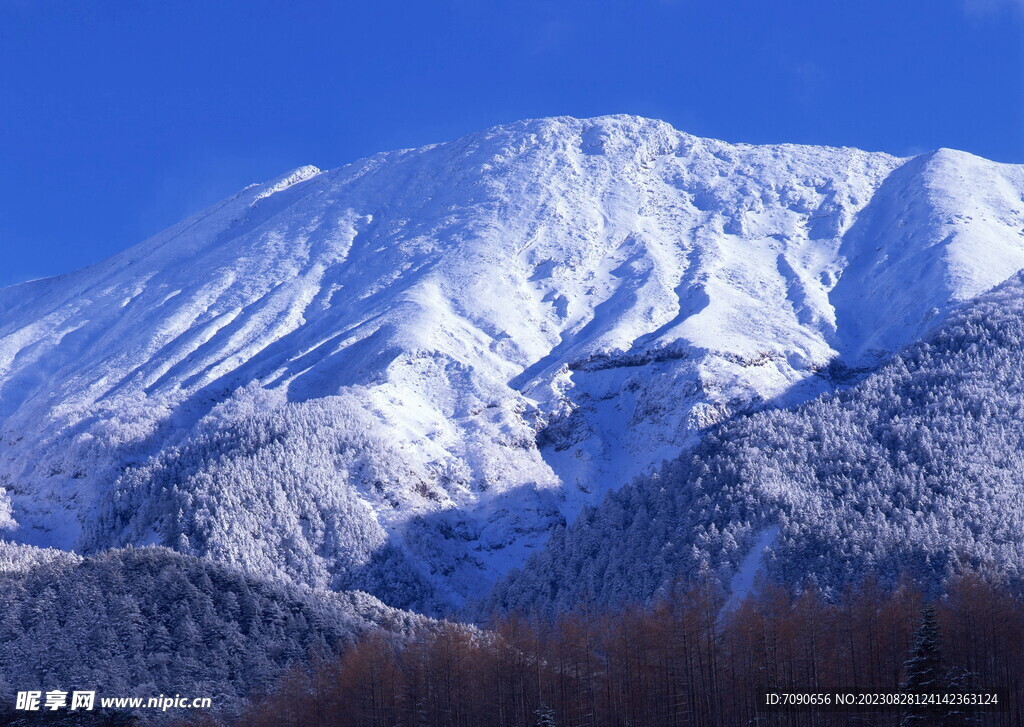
465	343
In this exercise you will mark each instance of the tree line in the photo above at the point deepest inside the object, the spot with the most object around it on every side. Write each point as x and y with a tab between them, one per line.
687	659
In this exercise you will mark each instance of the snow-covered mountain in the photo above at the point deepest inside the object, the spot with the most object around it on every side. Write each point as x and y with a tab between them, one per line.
401	374
913	471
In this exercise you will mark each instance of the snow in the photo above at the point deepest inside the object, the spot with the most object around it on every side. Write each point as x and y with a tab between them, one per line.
608	287
744	580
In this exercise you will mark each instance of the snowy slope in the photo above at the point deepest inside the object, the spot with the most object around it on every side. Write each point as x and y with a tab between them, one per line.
467	342
914	471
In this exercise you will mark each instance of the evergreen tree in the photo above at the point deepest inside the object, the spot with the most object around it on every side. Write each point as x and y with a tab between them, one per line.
545	716
924	673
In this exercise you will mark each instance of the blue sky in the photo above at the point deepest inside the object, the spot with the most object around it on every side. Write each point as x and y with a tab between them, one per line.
119	118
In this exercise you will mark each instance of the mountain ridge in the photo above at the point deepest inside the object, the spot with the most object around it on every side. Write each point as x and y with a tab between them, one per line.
519	321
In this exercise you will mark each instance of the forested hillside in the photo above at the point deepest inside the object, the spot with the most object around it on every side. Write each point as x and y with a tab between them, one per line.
916	469
149	621
276	488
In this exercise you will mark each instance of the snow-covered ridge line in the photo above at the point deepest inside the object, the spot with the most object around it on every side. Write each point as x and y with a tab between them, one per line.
399	375
287	180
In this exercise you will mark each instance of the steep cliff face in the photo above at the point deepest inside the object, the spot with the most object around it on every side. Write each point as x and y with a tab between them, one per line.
401	374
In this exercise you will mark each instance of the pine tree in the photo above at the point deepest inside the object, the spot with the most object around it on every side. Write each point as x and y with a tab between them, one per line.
545	717
924	673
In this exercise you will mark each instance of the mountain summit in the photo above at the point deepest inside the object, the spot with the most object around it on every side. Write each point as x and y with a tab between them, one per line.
399	375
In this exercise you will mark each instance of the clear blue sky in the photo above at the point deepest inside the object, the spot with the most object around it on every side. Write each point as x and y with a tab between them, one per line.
119	118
